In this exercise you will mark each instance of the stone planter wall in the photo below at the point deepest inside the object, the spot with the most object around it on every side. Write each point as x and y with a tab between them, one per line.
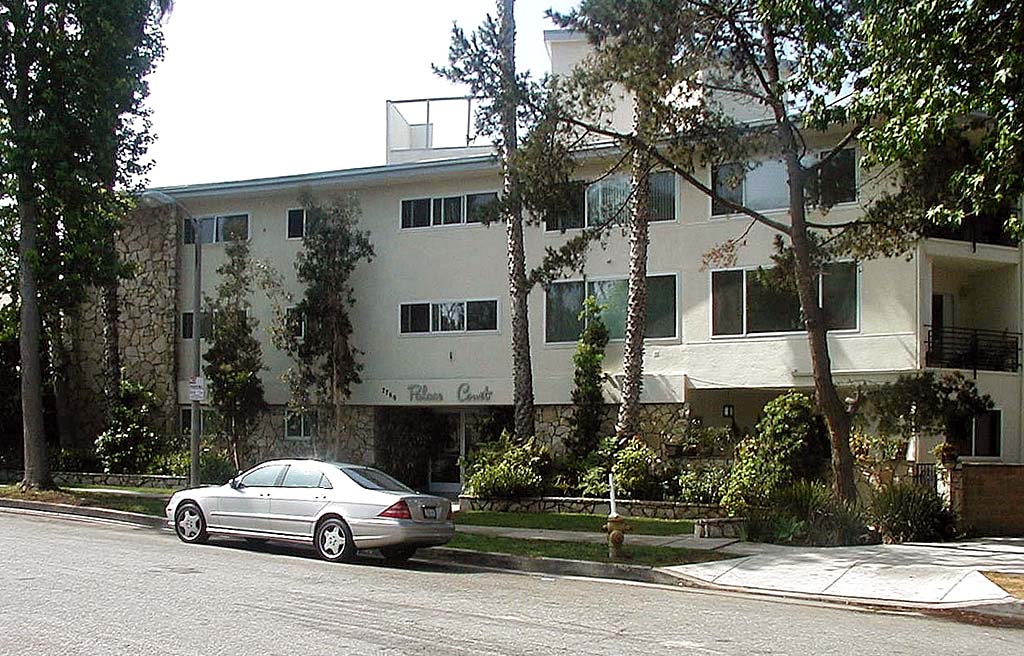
590	506
118	480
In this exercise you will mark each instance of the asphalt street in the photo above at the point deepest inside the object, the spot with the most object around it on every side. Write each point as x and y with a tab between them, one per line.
78	587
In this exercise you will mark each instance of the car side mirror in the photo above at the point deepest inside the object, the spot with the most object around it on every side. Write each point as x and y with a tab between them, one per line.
235	484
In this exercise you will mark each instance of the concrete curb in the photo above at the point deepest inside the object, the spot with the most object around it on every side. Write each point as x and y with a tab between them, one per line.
539	565
124	517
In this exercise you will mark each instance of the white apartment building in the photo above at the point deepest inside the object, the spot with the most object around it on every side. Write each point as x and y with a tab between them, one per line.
432	307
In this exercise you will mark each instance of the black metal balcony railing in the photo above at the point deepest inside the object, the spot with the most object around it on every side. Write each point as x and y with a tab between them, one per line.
973	348
982	229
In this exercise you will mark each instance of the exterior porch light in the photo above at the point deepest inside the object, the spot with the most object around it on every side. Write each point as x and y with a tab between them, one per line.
728	410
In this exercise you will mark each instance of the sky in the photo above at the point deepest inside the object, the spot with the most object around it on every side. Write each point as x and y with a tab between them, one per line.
260	88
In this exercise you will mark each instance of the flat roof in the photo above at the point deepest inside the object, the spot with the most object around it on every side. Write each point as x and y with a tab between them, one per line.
355	175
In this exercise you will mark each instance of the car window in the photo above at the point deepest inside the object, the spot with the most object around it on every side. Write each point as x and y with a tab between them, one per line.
324	483
262	477
302	476
374	479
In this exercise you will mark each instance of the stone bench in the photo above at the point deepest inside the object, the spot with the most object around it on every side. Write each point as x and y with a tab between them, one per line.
720	527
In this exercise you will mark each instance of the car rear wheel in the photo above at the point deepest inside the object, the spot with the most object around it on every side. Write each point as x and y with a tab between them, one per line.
397	554
333	540
189	523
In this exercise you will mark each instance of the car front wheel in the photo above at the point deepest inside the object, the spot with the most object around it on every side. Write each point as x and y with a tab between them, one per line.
189	523
333	540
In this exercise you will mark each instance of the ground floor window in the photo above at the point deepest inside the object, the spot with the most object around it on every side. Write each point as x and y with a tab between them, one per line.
300	425
980	436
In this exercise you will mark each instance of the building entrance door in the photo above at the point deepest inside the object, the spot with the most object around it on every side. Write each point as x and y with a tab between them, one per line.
445	470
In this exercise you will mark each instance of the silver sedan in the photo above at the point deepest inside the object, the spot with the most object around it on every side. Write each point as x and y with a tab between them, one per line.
339	508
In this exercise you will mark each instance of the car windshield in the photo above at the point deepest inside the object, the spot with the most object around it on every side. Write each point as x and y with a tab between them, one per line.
373	479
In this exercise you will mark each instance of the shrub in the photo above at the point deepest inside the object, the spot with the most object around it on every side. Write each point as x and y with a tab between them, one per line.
790	444
633	465
129	445
215	466
907	512
588	407
702	484
504	469
807	513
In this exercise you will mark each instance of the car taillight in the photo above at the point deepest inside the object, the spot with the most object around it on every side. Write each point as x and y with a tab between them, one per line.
399	510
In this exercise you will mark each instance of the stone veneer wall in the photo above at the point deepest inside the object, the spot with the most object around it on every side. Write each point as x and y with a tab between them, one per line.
94	478
359	431
657	421
148	242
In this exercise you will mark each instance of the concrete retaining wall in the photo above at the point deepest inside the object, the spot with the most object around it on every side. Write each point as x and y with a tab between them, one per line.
991	498
588	506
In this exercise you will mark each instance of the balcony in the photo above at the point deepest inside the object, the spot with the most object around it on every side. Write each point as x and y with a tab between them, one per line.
433	128
984	229
973	348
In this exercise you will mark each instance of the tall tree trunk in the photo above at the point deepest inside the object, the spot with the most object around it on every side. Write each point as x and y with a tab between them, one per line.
522	368
628	422
37	465
831	405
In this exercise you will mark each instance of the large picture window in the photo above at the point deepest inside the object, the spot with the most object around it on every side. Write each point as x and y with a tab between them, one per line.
745	302
449	317
980	436
564	301
300	425
606	200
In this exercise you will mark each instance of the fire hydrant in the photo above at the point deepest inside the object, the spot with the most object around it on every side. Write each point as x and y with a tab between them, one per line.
617	529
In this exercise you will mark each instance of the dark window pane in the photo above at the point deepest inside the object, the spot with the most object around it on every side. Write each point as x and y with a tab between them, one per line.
482	208
572	214
188	232
959	432
263	477
663	196
452	210
771	309
838	179
208	229
302	476
233	228
613	294
416	318
727	180
296	224
482	315
988	433
661	307
206	325
727	303
839	295
187	325
448	317
416	213
438	212
563	303
374	479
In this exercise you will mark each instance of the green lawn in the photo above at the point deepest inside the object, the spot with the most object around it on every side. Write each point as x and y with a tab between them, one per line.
571	522
639	555
166	491
124	502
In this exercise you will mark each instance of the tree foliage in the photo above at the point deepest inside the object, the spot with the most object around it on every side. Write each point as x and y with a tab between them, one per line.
234	358
326	359
588	404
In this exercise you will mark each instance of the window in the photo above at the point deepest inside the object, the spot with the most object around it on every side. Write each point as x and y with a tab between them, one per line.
606	200
746	302
837	180
448	210
565	300
979	436
374	479
449	316
481	208
205	325
302	476
215	229
263	477
209	421
415	318
296	322
300	425
296	224
573	214
416	213
727	181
